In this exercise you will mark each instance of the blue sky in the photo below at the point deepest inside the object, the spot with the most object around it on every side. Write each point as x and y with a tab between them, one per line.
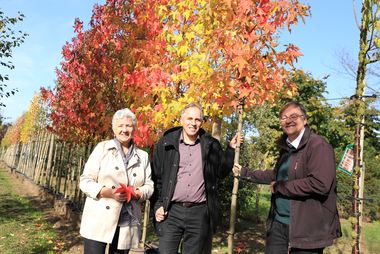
329	31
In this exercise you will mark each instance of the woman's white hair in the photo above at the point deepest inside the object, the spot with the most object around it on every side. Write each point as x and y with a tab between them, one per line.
125	112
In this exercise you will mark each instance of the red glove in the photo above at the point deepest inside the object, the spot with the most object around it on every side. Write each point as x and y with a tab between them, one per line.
129	191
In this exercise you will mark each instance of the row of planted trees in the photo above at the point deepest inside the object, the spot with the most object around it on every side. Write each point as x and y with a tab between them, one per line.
50	163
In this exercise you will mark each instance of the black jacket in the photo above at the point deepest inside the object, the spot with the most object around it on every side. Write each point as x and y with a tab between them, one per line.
216	164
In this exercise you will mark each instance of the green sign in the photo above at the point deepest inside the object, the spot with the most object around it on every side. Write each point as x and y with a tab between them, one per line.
346	164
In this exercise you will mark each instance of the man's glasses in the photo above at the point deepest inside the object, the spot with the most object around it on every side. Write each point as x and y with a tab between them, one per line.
292	118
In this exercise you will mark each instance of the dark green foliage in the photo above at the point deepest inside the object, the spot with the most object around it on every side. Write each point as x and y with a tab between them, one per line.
3	128
9	39
372	182
371	152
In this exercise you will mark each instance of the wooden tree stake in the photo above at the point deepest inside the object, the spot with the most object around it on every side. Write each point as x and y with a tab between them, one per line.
231	232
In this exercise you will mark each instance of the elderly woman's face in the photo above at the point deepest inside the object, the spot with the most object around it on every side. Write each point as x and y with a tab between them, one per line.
123	130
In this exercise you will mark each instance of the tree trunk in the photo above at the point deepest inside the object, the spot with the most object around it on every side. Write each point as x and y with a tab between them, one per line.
217	128
49	165
145	225
235	188
360	113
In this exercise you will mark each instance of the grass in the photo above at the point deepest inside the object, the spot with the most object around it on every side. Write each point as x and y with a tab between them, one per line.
371	239
22	226
343	244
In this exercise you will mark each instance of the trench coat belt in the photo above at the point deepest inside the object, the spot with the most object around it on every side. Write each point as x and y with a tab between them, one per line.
189	204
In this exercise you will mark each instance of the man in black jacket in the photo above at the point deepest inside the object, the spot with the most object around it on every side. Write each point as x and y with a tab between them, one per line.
186	165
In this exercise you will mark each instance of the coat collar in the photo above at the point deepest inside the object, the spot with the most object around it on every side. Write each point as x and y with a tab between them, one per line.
111	145
282	144
171	137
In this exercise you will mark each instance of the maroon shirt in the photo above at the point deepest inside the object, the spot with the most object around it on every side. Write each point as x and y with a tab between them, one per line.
190	185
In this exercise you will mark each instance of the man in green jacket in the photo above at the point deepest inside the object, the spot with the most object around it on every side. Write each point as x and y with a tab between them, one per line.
303	217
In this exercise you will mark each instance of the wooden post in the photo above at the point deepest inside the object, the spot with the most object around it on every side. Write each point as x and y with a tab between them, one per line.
358	185
50	160
78	171
53	166
29	168
67	169
145	224
43	159
216	128
60	167
361	203
42	156
231	232
37	153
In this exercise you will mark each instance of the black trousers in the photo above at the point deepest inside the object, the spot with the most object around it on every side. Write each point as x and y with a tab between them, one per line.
277	241
95	247
189	224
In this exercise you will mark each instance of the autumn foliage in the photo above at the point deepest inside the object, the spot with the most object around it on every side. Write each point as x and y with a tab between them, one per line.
155	56
110	66
12	136
33	122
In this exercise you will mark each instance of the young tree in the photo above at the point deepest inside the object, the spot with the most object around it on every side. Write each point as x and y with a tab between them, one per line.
112	65
369	53
35	120
262	125
12	136
3	127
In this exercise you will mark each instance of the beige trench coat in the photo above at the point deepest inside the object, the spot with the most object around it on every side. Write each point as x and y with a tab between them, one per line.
105	167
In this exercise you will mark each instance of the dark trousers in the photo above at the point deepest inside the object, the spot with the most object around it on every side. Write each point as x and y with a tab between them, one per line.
191	224
95	247
277	241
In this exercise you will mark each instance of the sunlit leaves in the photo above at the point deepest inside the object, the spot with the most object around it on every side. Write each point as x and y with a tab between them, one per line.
12	136
157	56
227	51
29	127
112	65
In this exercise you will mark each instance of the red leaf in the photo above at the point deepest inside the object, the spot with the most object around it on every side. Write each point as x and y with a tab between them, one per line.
129	191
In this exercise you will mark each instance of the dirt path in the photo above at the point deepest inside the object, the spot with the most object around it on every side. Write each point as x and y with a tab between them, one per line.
65	229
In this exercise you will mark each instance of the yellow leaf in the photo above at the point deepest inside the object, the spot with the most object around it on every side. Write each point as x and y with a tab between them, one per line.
177	38
190	35
198	28
182	50
187	14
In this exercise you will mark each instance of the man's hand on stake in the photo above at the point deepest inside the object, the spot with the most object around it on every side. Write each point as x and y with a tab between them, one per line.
237	169
235	139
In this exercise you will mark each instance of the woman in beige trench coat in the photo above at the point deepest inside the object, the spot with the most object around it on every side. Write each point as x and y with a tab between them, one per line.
109	217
